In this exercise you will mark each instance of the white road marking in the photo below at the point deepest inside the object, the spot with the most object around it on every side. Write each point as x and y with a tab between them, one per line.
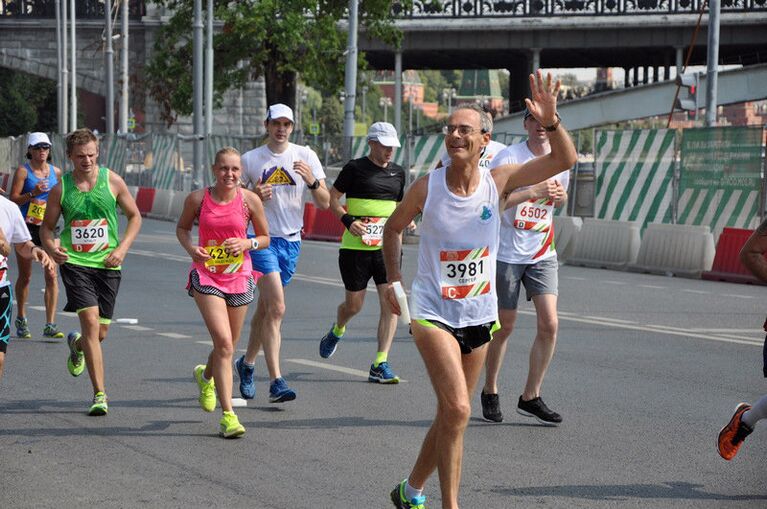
611	282
656	287
173	335
738	296
702	292
137	328
574	278
333	367
613	320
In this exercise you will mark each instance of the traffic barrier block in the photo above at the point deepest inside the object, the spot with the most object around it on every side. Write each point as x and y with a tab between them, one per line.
145	200
324	226
606	244
677	249
161	206
310	211
133	190
727	265
177	205
565	230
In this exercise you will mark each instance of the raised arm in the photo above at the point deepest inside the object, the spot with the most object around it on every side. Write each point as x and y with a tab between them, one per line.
563	155
752	252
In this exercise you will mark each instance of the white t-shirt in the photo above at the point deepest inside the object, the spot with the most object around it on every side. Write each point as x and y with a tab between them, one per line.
527	229
490	151
285	211
15	230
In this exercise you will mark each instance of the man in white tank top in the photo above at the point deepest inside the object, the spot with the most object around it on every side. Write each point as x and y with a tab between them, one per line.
526	256
454	307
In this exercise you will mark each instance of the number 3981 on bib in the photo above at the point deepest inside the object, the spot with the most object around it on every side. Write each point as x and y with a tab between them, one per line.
465	273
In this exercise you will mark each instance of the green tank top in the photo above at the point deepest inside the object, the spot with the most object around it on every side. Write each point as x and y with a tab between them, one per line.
90	221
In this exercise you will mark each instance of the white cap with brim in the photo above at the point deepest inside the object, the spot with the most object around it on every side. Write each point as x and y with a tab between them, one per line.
38	139
384	133
280	110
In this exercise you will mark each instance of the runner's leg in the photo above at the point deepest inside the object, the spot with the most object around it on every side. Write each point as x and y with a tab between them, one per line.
266	324
496	351
544	344
90	344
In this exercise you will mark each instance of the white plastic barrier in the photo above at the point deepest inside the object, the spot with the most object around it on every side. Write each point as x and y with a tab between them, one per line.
133	191
677	249
177	204
161	205
566	228
606	244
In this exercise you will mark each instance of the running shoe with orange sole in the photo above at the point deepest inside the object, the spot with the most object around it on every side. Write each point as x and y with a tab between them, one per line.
731	437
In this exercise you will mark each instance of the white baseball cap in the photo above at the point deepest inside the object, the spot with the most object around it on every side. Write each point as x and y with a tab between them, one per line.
280	110
38	139
384	133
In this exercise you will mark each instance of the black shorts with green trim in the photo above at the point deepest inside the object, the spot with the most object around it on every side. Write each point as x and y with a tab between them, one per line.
89	287
468	338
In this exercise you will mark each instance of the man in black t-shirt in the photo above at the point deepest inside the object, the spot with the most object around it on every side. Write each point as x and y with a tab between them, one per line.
373	186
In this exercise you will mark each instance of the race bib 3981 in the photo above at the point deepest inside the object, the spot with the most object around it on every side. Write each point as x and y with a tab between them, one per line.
465	273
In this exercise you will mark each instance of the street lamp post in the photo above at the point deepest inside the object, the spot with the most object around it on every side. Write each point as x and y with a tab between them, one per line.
448	94
364	92
385	102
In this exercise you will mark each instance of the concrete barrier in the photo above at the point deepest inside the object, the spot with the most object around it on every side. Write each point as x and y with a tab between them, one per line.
177	204
676	249
606	244
727	265
145	199
566	228
161	205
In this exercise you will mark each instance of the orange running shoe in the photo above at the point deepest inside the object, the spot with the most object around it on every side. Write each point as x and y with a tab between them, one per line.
731	436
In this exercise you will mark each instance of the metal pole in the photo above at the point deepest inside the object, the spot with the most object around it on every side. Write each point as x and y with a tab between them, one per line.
398	90
197	65
59	71
364	91
110	69
124	67
712	64
350	85
64	69
73	110
209	72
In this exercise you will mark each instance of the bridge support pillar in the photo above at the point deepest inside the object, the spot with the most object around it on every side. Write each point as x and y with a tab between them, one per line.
679	60
519	86
645	75
626	77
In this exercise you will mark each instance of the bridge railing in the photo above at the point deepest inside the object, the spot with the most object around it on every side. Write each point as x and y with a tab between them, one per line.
84	9
547	8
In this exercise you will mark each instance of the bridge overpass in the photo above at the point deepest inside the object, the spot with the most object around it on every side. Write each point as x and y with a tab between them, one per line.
736	85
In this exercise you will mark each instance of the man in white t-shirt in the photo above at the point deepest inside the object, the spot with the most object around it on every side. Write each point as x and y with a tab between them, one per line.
13	233
279	172
526	255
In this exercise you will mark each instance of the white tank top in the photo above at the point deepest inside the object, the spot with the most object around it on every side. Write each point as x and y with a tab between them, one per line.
455	282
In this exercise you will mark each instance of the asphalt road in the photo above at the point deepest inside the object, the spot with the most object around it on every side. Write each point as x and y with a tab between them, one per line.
647	370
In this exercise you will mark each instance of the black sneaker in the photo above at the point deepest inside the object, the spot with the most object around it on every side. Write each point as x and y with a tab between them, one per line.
491	407
538	409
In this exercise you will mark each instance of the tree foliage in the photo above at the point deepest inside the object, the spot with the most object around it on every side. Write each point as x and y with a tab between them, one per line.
273	39
27	103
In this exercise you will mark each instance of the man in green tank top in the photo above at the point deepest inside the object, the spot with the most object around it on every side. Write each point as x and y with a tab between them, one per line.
90	253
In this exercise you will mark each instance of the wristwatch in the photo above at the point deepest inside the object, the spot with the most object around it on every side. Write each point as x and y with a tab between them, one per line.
315	185
553	127
253	244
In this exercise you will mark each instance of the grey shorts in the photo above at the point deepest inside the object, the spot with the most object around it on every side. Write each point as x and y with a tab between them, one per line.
538	278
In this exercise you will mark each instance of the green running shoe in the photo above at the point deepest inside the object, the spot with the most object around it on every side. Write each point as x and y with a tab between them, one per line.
207	397
401	502
230	426
75	359
51	331
22	328
99	406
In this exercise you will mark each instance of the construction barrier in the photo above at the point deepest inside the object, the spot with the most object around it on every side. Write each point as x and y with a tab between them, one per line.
145	199
321	224
606	244
566	228
676	249
161	205
727	265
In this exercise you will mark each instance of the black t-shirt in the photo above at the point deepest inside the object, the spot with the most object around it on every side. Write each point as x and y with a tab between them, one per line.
361	178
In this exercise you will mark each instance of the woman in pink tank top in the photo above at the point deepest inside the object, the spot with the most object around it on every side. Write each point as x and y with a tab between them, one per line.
220	278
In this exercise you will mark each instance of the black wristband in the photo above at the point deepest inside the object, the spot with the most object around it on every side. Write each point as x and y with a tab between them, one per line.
347	220
315	185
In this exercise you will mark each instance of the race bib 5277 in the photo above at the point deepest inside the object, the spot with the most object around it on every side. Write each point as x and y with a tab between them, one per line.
374	227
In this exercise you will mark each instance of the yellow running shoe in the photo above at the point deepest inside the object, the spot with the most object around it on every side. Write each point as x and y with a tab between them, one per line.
99	406
76	358
207	389
230	426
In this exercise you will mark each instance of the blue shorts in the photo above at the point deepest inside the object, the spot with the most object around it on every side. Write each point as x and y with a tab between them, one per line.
281	256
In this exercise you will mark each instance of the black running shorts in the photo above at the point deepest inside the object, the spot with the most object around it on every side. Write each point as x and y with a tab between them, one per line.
88	287
358	266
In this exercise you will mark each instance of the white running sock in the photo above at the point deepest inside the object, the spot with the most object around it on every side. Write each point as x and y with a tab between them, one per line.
410	492
757	412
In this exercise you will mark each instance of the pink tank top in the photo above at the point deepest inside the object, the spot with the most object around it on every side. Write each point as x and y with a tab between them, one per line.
218	222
